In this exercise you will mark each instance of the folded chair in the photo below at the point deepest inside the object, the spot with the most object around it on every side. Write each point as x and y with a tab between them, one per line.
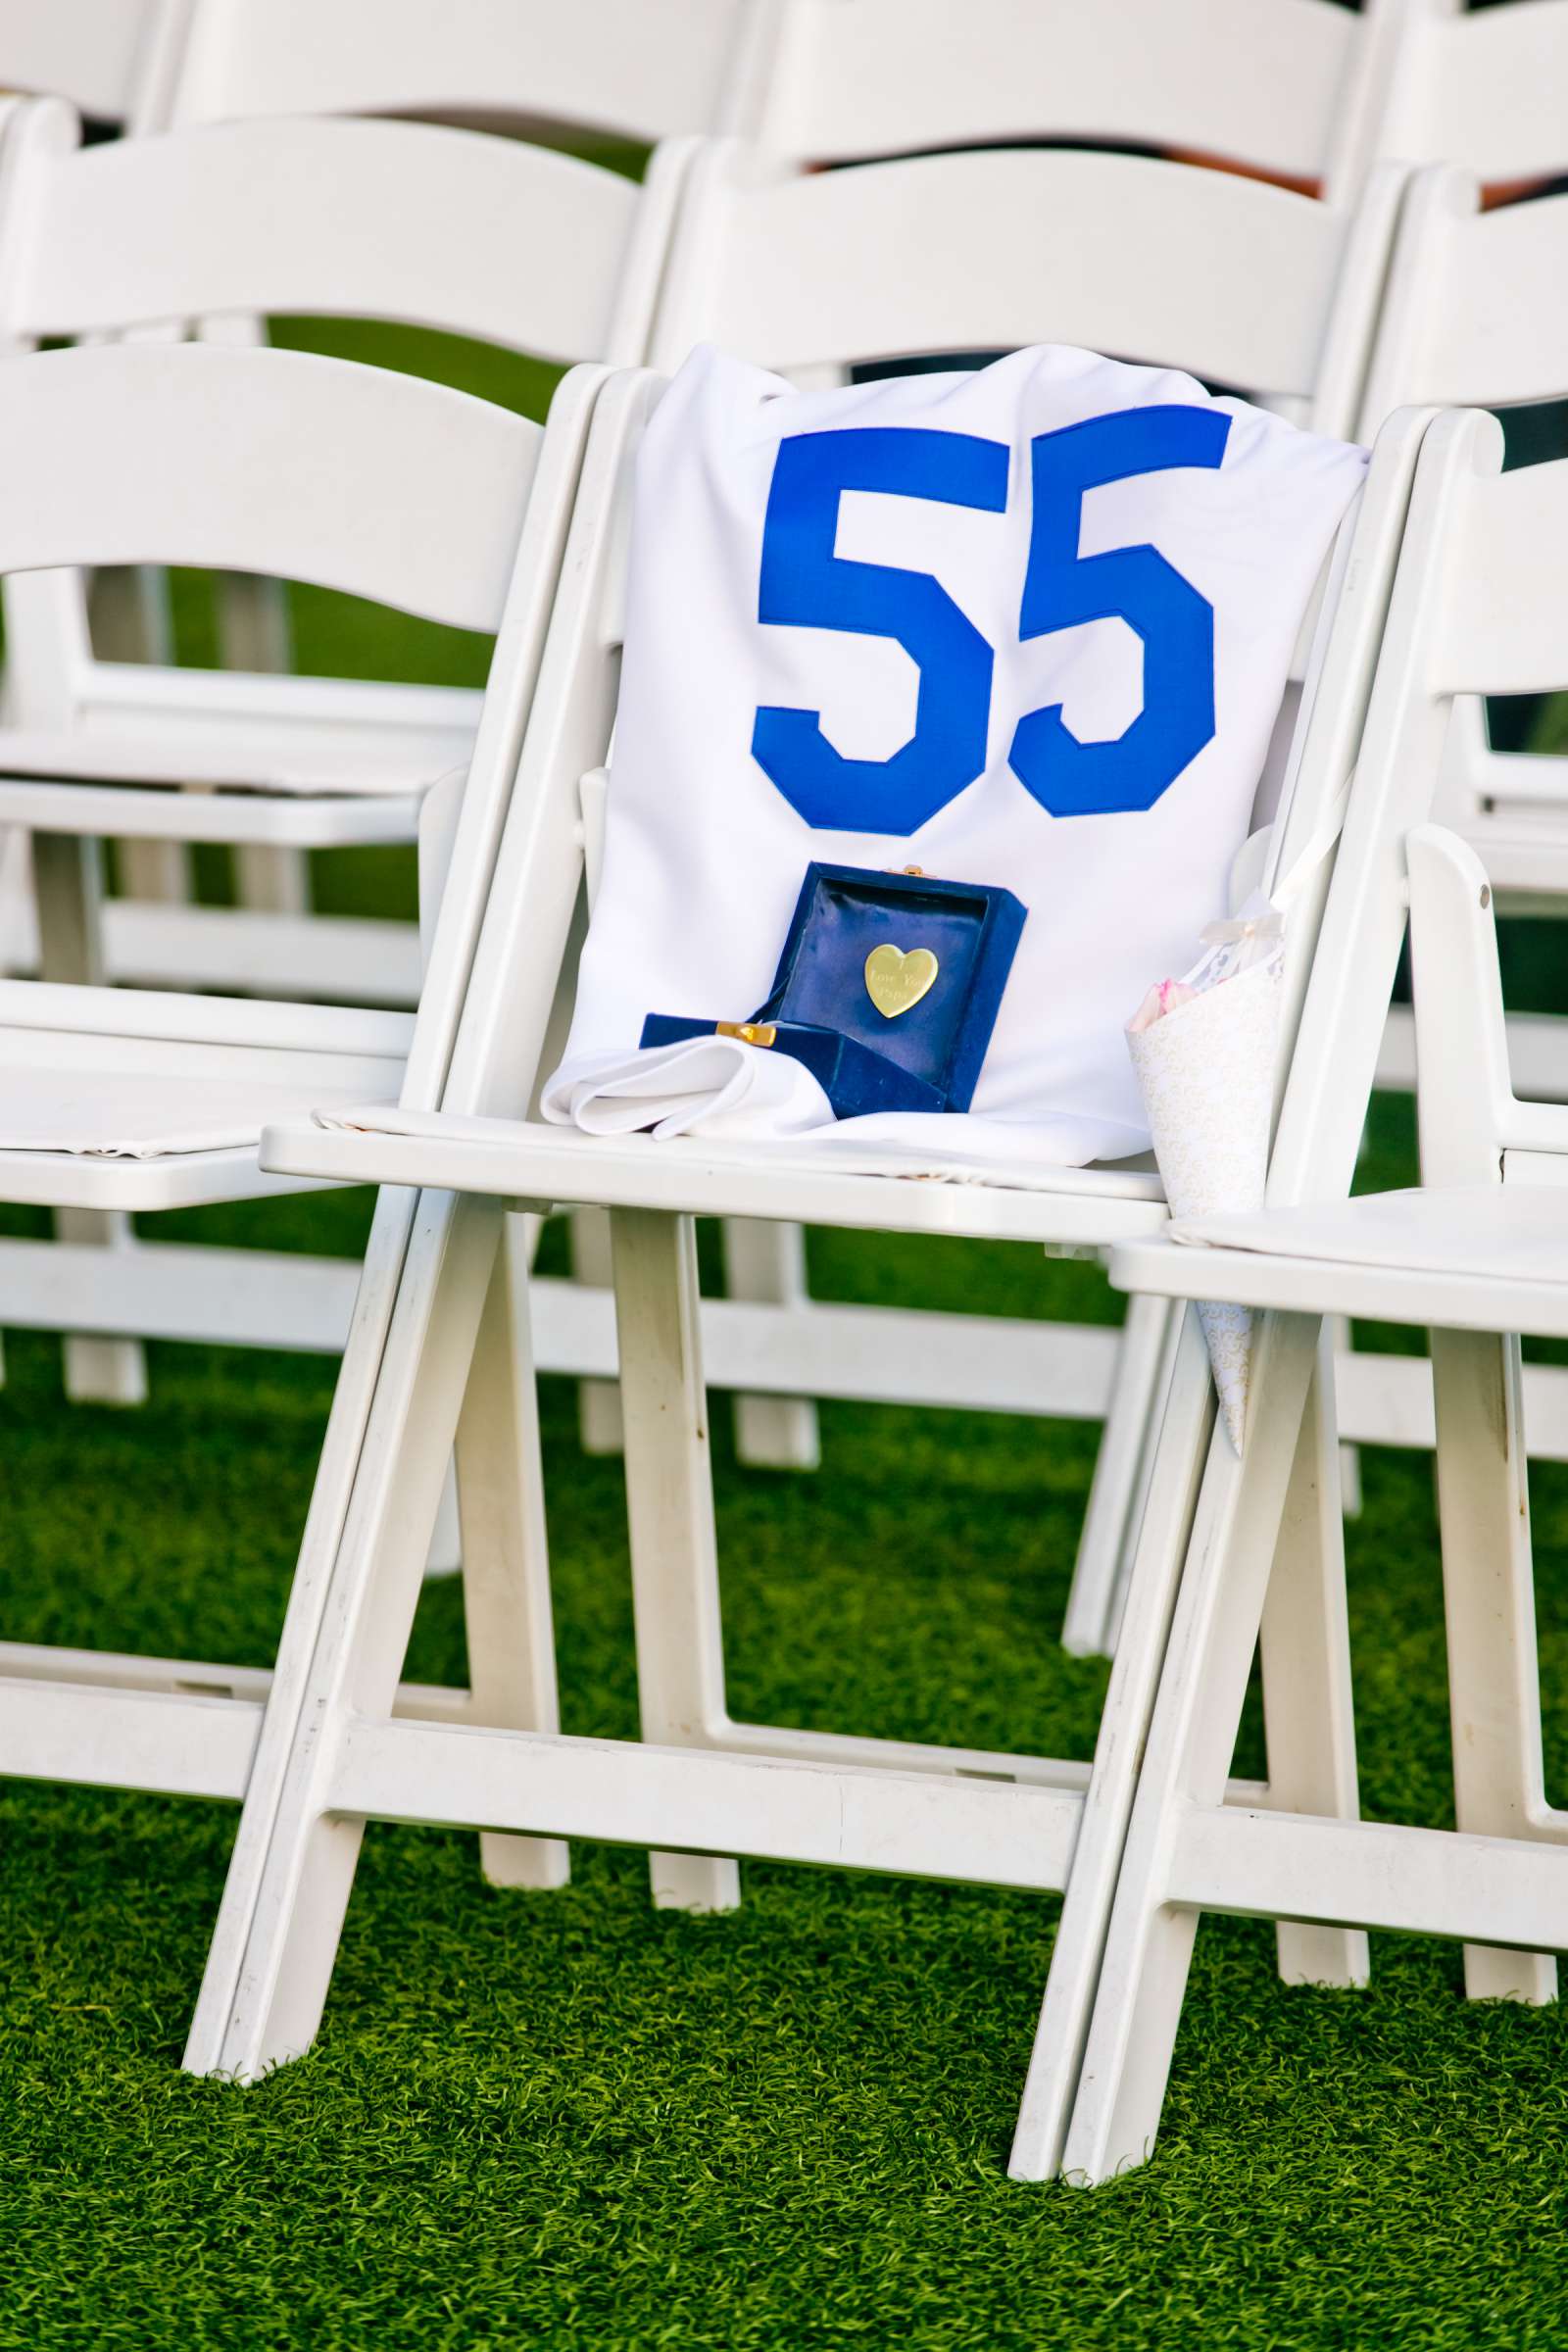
704	1784
411	495
1480	605
350	218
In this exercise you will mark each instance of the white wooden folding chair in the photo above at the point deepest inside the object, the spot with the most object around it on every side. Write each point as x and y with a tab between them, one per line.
832	79
358	218
1480	605
1473	314
704	1784
937	254
155	66
383	487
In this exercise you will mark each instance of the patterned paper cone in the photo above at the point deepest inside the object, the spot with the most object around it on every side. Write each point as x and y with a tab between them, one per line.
1206	1071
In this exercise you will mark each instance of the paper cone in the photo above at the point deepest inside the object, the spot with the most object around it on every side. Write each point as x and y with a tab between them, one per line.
1206	1071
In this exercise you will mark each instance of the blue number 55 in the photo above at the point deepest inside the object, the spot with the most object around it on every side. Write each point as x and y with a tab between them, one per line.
803	584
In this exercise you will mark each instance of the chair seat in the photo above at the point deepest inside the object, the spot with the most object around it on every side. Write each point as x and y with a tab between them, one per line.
1480	1257
96	1137
538	1166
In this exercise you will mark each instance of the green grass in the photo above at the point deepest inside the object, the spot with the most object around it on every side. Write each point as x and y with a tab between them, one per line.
565	2121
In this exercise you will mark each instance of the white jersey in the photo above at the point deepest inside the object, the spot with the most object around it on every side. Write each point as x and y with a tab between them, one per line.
1027	625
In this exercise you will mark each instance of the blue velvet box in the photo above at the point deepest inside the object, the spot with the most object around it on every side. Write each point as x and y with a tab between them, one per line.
937	954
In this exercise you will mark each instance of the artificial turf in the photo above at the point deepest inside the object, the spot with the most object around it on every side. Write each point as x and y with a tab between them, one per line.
567	2120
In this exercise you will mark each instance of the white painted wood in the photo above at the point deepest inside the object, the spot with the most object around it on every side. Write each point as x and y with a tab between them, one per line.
1481	87
777	1808
1108	1538
1417	1880
271	1968
93	52
599	1427
1463	520
623	66
68	886
1229	278
527	1163
669	1507
292	215
1305	1639
505	1584
1260	84
765	1264
354	217
338	218
213	448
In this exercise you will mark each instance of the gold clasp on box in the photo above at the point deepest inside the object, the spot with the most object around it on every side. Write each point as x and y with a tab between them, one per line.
749	1033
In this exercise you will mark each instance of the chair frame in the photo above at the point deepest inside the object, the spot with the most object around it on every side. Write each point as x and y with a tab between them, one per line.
1496	1882
474	533
704	1786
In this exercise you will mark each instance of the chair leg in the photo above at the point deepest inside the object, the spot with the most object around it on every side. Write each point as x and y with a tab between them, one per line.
1109	1532
766	1262
1349	1455
506	1555
1052	2084
68	878
1489	1605
394	1421
1308	1711
272	877
670	1504
600	1428
446	1544
254	631
1191	1737
130	618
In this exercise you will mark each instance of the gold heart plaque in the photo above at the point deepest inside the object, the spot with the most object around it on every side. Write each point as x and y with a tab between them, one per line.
896	982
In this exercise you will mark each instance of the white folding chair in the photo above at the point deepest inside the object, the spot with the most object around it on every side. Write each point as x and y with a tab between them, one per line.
549	67
704	1784
358	218
1289	86
1233	279
1480	605
383	487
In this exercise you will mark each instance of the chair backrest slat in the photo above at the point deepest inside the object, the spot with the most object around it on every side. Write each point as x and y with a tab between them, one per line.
1484	88
280	462
1475	315
366	220
1229	278
643	68
1255	80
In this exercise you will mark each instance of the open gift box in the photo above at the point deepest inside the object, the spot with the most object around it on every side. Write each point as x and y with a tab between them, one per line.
887	989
